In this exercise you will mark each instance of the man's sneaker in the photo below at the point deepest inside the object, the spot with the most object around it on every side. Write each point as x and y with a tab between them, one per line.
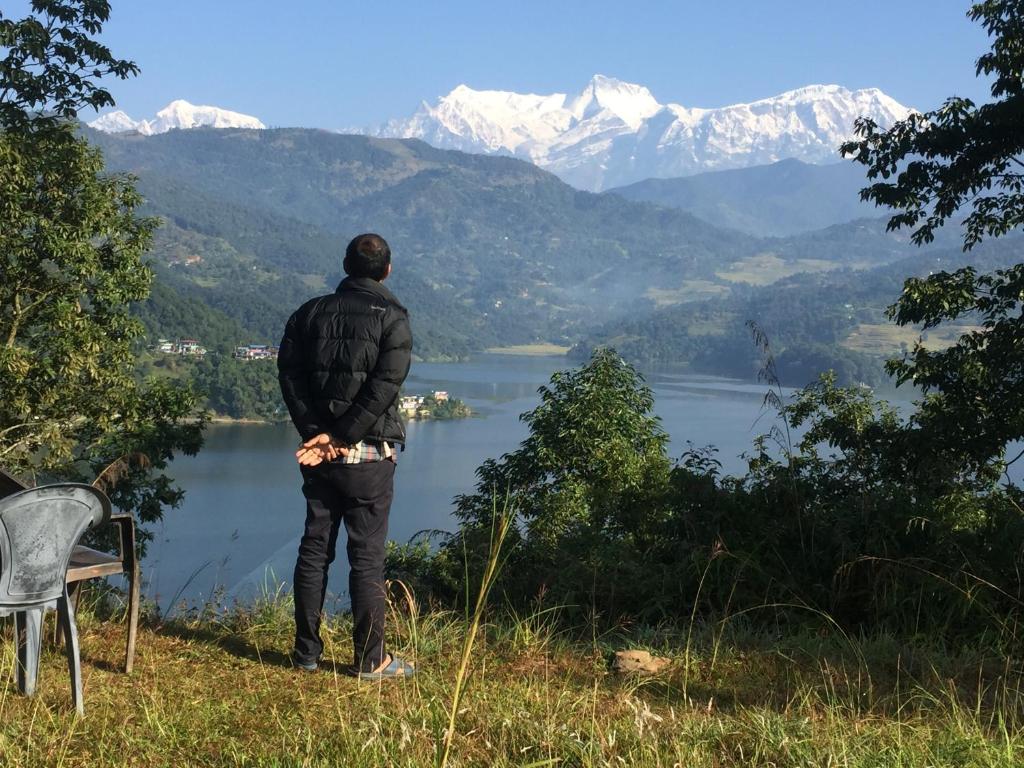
304	665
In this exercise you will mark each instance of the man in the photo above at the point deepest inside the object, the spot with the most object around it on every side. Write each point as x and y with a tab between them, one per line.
341	364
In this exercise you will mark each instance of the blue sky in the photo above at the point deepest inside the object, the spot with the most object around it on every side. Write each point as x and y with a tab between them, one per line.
334	64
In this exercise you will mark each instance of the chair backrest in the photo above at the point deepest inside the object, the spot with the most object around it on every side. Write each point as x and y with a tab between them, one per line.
38	530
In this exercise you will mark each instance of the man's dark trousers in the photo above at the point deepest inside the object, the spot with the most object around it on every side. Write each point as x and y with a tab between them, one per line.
360	496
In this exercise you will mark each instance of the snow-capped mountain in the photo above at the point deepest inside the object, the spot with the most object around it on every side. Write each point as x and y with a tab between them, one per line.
118	122
615	133
177	114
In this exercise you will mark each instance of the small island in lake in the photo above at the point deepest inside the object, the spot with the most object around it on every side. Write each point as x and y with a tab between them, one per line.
436	405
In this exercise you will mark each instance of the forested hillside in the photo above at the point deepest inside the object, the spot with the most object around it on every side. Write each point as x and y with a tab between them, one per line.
784	198
814	321
488	250
492	251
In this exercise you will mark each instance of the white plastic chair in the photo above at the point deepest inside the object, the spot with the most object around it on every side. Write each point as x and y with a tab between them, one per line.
39	528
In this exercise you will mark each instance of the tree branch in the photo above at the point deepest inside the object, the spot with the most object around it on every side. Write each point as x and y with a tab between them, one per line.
1015	458
20	312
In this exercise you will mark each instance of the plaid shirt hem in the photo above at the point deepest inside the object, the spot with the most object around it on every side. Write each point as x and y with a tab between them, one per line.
365	452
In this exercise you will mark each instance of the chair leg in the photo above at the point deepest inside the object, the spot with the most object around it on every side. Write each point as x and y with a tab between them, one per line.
74	592
28	637
133	615
129	557
66	616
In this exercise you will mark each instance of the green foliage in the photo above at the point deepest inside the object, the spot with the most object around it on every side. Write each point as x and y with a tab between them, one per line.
847	525
168	314
974	390
227	387
807	316
241	389
164	420
937	163
451	408
72	263
257	265
579	485
962	160
71	251
53	61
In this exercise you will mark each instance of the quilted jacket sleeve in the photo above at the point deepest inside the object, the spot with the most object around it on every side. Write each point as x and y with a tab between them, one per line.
293	375
382	385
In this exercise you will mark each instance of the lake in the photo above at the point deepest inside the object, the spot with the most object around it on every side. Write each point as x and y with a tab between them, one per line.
238	529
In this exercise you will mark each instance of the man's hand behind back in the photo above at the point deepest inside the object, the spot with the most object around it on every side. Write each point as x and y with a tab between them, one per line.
319	449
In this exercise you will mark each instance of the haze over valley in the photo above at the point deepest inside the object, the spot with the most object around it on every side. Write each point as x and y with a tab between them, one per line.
492	251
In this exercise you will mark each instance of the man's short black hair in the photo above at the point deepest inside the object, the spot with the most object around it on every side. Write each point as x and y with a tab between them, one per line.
367	256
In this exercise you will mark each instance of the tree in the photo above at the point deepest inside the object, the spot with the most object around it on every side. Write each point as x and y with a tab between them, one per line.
71	255
962	160
581	485
52	63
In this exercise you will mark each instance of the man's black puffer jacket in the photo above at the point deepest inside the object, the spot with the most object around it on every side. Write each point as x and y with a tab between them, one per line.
342	361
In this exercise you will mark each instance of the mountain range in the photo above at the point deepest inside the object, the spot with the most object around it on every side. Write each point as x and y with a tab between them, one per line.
179	114
614	133
493	247
610	134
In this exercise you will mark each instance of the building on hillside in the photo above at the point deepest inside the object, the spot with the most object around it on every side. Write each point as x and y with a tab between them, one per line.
191	347
256	352
180	347
186	261
441	396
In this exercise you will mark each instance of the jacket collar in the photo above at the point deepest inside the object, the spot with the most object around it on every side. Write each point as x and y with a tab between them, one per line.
369	285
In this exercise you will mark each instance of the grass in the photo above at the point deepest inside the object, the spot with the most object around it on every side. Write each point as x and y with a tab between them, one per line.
890	339
688	290
314	282
767	268
761	269
216	689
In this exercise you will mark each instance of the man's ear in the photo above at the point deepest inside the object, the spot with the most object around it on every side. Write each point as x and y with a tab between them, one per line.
388	273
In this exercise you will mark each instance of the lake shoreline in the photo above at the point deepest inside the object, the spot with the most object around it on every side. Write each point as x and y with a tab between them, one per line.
544	349
219	419
241	519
